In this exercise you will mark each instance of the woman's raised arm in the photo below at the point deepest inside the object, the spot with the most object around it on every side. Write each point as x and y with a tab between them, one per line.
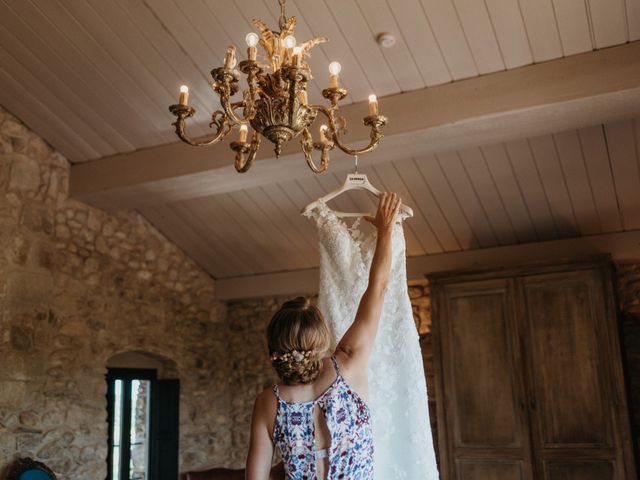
357	342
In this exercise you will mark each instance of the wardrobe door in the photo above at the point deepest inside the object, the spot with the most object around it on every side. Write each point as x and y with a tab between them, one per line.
574	377
480	392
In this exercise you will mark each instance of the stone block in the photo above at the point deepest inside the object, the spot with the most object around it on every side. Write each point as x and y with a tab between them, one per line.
29	288
13	393
25	174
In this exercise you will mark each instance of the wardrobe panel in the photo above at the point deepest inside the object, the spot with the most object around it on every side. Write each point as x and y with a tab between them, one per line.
580	471
470	470
563	314
480	349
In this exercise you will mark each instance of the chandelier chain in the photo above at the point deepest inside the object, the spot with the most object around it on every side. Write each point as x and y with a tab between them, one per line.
283	17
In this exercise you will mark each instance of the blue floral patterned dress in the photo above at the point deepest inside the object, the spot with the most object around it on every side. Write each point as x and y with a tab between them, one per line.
348	419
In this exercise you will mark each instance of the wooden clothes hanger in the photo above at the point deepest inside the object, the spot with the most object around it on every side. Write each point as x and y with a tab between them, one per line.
354	181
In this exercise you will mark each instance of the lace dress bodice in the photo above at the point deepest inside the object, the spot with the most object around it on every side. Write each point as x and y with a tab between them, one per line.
397	387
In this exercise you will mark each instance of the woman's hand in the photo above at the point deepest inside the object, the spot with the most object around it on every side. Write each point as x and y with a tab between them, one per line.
388	208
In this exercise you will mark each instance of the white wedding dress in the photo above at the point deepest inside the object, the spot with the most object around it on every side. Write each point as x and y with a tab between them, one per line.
397	388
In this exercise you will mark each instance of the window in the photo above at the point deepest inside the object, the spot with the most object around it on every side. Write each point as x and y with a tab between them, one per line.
143	425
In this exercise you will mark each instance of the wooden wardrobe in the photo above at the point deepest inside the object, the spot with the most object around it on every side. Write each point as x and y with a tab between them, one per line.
529	377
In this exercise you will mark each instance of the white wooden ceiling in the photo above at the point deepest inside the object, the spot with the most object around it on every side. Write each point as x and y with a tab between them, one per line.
576	183
95	77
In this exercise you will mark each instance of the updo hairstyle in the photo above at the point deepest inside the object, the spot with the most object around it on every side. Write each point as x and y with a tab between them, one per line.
298	338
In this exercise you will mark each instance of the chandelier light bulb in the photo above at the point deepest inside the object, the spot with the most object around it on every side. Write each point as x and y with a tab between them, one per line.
335	68
243	133
373	105
289	41
184	95
252	39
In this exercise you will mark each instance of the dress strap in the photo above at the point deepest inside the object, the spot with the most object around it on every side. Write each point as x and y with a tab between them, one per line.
276	391
335	365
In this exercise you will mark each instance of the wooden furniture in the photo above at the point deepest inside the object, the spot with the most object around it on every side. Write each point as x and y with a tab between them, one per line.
277	473
29	469
530	382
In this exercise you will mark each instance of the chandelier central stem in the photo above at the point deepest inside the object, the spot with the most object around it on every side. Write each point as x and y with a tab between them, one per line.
283	16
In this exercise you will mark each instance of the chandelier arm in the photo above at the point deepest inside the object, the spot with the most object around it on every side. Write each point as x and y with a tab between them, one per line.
307	148
246	154
182	113
375	122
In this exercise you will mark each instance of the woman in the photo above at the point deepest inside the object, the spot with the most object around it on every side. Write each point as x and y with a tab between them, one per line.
318	416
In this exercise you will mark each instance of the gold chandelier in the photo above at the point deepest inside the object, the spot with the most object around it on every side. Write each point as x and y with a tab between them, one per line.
275	103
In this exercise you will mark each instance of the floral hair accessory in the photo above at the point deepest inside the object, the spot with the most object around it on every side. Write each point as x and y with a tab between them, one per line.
297	356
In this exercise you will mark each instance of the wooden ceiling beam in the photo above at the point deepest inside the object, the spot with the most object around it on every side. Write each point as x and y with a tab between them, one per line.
572	92
620	246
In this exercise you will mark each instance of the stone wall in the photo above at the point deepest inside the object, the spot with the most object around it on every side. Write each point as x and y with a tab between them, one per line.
77	286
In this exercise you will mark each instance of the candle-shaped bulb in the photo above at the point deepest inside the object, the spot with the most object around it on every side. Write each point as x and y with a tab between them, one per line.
334	70
297	56
244	130
373	105
323	134
252	39
230	58
184	95
289	41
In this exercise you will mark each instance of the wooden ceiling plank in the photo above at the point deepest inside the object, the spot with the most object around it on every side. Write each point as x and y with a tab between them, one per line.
598	167
284	197
256	217
179	232
54	104
633	19
234	231
99	22
135	49
35	52
295	241
466	197
37	116
450	36
609	23
476	169
427	205
480	34
387	180
167	47
623	147
575	174
320	22
542	29
421	41
529	183
253	236
574	27
96	55
507	20
553	181
418	224
433	175
399	58
357	33
507	185
201	213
